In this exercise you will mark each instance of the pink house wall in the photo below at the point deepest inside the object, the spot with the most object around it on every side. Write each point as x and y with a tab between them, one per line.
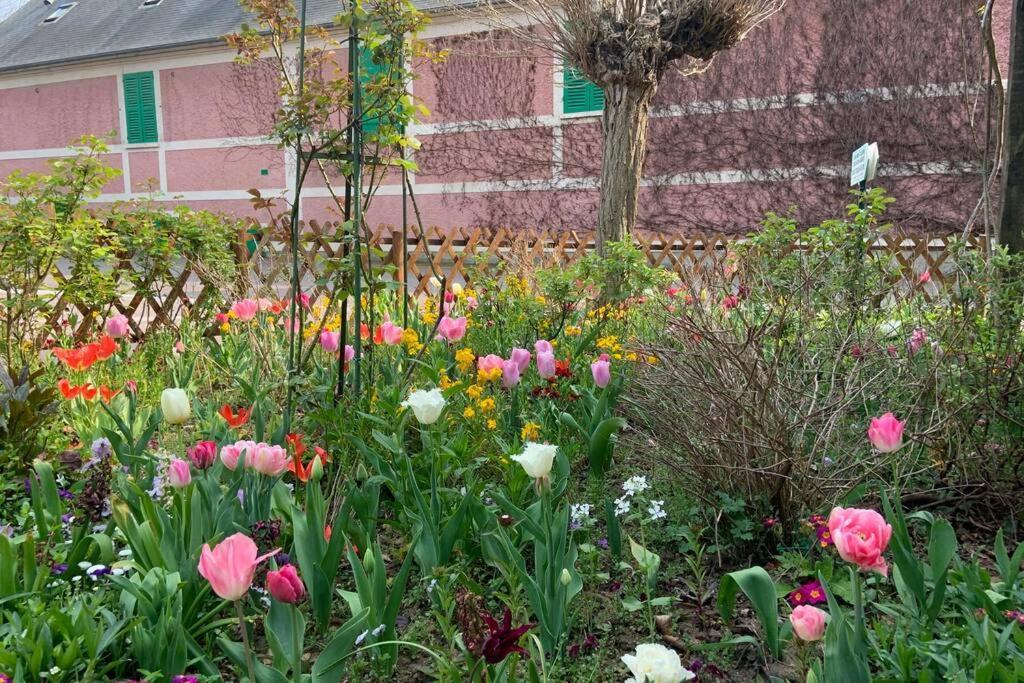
496	125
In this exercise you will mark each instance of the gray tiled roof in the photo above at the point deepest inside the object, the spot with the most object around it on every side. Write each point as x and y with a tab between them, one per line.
97	29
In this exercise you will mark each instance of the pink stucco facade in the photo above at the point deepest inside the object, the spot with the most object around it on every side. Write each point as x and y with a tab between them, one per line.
770	125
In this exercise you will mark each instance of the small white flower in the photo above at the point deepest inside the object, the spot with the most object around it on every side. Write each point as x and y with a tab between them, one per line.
125	552
621	506
537	459
634	485
84	565
361	637
425	405
580	512
655	511
432	585
379	630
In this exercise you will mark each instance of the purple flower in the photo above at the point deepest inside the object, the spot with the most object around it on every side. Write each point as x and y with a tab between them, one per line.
602	543
810	593
185	678
503	640
101	448
65	494
4	678
55	569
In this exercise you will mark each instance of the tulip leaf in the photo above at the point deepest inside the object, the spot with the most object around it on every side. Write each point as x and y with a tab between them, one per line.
236	653
602	446
329	666
759	588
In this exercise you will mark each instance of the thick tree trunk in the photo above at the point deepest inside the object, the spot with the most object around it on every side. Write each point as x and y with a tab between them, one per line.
1011	223
626	112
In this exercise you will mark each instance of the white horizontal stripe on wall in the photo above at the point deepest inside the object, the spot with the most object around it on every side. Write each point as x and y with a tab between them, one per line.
726	177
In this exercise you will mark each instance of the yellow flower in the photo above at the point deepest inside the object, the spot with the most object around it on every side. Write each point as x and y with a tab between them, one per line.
429	317
652	360
464	358
225	328
446	382
468	413
487	405
573	331
530	431
492	375
631	356
492	424
270	320
231	314
475	391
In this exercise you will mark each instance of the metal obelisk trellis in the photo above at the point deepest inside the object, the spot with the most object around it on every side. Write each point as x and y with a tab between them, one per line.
353	212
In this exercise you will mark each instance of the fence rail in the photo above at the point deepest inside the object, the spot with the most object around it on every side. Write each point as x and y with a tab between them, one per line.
454	254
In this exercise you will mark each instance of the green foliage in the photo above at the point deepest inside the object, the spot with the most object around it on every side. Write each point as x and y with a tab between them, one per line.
26	408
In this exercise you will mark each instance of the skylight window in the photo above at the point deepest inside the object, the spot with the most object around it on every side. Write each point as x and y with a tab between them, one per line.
59	13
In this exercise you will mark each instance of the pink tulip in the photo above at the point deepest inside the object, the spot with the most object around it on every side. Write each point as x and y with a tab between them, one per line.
917	340
546	364
268	460
330	341
886	433
543	346
178	474
350	352
264	304
303	300
230	454
230	566
509	374
490	362
925	277
391	333
245	309
452	329
117	326
203	454
285	585
472	303
808	622
861	536
521	358
601	369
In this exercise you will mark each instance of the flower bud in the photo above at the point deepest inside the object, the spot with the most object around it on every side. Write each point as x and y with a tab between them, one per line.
566	577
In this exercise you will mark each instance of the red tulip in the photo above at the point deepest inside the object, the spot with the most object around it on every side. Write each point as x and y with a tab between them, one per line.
285	585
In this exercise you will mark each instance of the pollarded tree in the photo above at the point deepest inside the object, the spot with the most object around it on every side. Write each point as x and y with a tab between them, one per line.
626	47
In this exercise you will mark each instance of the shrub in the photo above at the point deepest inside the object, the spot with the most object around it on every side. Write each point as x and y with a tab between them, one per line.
765	387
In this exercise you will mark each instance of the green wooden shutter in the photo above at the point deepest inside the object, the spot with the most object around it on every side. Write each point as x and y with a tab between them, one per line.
140	107
369	71
580	95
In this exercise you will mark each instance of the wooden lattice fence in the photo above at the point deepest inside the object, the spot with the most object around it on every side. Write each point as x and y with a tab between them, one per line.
453	254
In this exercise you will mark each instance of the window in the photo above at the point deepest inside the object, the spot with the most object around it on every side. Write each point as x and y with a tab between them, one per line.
580	96
150	3
140	107
59	13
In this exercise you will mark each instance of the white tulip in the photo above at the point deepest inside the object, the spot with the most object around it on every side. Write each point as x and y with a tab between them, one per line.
425	405
654	663
175	406
536	459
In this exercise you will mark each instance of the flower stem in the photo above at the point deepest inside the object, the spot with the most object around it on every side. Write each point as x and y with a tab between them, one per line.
296	647
245	641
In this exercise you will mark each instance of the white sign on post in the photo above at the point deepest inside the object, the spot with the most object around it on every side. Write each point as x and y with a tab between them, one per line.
864	164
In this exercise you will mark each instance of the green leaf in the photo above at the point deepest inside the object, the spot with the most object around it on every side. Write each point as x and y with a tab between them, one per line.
602	445
759	588
236	653
329	666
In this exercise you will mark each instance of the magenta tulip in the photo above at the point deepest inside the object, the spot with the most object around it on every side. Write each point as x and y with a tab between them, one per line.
203	454
543	346
117	326
330	341
285	585
886	433
231	566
